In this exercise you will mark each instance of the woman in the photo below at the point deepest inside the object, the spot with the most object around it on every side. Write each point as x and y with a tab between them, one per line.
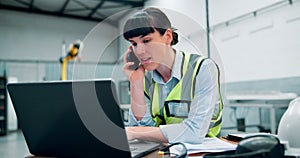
174	95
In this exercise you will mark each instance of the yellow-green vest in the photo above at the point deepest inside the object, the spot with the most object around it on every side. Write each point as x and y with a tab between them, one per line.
183	92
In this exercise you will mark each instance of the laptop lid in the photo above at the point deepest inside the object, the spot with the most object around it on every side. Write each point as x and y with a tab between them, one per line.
71	118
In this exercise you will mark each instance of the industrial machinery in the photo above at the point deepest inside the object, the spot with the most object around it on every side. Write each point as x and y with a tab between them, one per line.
72	54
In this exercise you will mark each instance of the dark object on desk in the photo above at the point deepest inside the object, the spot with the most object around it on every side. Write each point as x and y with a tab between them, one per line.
166	150
236	136
73	119
258	146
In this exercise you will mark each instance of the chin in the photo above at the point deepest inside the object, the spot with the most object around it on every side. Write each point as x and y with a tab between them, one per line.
149	67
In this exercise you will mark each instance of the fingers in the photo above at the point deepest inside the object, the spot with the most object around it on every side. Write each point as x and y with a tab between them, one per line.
129	72
127	65
129	133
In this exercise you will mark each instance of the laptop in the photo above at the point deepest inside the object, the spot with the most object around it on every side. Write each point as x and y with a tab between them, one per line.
74	119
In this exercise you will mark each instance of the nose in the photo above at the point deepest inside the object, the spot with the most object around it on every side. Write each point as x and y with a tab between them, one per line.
140	49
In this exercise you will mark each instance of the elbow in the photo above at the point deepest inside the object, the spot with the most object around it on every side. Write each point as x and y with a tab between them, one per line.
188	134
194	140
195	133
195	137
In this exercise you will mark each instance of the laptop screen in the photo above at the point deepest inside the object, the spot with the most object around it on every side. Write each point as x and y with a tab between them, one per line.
70	118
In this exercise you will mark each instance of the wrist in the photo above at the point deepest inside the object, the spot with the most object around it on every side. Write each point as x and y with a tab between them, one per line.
134	84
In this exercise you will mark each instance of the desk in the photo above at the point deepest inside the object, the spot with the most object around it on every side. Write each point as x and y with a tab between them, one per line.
270	100
155	154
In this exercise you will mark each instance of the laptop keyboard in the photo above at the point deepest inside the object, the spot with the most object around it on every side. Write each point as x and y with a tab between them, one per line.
133	148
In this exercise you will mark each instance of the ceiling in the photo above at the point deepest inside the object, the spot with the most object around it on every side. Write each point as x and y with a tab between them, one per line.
93	10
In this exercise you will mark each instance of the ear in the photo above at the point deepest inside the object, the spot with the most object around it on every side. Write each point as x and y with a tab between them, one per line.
168	36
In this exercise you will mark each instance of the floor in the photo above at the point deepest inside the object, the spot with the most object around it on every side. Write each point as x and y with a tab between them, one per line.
13	145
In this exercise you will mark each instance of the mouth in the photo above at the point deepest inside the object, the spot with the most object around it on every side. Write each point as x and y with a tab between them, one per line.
146	60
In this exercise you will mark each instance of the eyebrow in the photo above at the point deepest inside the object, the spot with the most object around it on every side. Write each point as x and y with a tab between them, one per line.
144	36
140	37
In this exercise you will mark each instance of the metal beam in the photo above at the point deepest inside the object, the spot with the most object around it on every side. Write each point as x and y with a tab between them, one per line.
96	8
130	2
61	12
83	5
31	6
64	7
38	11
207	29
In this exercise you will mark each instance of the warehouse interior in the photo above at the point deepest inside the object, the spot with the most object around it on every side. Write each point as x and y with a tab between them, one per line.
255	44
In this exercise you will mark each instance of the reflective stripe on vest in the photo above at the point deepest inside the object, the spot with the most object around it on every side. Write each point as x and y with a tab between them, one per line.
183	92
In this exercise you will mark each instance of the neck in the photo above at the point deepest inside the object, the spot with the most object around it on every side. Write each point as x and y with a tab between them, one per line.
165	70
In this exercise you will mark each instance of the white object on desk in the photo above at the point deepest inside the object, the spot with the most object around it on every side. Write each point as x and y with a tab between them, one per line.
289	125
208	145
271	100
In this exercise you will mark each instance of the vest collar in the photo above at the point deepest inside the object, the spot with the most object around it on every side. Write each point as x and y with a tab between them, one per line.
176	70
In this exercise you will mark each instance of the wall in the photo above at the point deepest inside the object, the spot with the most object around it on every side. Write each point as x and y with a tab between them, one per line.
261	47
35	37
193	9
222	10
270	40
188	20
256	53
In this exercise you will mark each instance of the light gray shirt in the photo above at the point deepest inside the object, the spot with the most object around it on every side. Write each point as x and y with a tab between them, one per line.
194	128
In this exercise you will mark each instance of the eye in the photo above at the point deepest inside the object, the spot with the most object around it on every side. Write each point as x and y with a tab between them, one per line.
133	44
147	40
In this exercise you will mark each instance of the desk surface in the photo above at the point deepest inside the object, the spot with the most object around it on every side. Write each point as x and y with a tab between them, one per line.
155	154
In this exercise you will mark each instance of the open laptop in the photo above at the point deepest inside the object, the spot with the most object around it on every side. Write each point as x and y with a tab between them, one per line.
74	119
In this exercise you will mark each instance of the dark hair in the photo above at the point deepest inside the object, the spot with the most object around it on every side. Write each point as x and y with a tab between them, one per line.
147	21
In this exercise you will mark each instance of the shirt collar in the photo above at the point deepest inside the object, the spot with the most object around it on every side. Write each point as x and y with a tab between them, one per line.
176	69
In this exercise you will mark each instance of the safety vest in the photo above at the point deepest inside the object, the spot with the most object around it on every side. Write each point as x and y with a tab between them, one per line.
181	95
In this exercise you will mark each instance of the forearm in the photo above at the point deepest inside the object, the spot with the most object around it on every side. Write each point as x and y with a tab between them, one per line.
146	133
136	78
138	104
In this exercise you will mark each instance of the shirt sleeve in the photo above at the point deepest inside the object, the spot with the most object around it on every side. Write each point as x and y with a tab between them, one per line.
145	121
194	128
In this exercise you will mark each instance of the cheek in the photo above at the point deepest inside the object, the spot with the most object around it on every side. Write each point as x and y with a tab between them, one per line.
160	53
157	48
